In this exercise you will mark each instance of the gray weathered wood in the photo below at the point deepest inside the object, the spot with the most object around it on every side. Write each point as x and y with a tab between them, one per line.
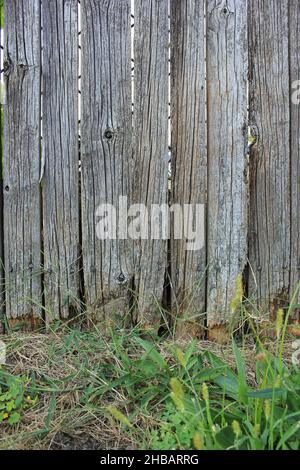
106	147
151	146
60	156
22	205
227	162
270	235
2	279
189	162
294	50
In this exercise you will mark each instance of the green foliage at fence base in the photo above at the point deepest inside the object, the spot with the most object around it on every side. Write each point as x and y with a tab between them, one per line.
224	412
152	392
15	396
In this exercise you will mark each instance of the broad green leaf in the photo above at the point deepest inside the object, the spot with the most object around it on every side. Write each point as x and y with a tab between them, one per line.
267	393
51	410
288	434
241	368
230	385
215	361
14	418
10	405
147	367
225	437
152	353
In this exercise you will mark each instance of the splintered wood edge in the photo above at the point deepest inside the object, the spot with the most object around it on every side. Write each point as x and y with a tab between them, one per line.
218	333
26	323
190	330
294	329
267	329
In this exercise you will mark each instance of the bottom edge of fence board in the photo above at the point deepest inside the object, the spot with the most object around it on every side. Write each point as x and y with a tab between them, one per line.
26	324
189	329
218	333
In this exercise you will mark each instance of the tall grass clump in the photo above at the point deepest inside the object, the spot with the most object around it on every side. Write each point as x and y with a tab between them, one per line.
217	406
219	409
128	388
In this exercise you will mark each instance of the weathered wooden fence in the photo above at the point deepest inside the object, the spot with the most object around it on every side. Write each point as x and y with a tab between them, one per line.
219	68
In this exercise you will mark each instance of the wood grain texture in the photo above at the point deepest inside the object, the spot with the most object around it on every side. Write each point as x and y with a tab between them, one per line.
227	148
106	148
270	165
22	204
189	156
151	147
2	279
60	156
294	50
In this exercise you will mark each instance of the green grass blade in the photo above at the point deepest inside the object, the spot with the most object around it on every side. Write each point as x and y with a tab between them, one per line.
152	353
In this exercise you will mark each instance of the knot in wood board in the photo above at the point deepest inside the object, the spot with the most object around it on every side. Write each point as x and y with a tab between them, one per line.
225	12
108	134
121	278
7	65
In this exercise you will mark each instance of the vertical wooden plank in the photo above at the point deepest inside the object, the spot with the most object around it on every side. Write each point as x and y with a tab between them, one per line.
189	162
2	280
227	162
151	147
270	236
22	205
60	157
294	49
106	147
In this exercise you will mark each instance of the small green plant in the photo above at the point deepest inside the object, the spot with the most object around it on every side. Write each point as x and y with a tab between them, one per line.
217	409
176	431
14	397
159	395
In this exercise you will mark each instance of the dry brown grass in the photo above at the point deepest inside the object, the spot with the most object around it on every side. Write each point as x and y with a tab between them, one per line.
62	373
